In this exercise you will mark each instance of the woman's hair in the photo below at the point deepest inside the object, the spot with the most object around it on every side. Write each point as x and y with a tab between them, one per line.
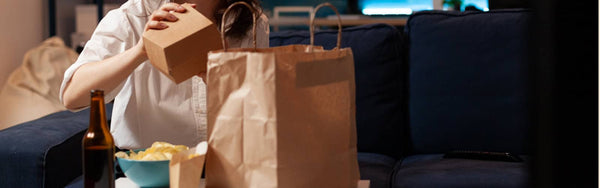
240	16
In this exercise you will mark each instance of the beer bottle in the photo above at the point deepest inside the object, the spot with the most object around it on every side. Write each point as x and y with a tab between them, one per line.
98	147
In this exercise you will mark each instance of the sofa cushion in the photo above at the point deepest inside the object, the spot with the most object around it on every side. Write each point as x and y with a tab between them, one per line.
376	168
469	81
377	58
434	171
45	152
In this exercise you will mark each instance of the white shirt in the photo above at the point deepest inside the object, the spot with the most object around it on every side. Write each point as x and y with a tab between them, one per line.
148	106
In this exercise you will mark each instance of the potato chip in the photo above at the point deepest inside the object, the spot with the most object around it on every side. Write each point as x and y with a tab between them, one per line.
158	151
193	155
121	154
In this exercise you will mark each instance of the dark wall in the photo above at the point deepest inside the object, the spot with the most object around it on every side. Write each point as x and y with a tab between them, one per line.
566	68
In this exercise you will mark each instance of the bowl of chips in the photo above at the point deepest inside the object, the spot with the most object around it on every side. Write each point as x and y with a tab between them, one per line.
149	167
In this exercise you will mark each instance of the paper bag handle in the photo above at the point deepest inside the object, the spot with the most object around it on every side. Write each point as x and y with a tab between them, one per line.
252	9
312	25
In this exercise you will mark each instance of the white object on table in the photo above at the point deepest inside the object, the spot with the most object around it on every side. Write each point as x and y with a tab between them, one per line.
290	9
126	183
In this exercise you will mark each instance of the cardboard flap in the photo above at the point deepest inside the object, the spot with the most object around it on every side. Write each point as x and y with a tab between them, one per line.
185	168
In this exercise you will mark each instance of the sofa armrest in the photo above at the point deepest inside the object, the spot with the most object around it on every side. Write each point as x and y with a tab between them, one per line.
45	152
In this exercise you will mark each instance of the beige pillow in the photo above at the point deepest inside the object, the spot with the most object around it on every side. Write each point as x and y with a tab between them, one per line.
32	89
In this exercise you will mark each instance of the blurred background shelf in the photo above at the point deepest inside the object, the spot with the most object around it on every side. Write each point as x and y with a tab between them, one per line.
275	23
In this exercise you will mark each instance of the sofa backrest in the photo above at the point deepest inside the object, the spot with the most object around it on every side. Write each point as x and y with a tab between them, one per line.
469	82
379	96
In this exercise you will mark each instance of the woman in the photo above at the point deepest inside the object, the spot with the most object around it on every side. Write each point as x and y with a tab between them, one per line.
148	106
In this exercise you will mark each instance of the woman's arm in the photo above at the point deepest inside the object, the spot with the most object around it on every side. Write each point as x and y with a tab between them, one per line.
107	74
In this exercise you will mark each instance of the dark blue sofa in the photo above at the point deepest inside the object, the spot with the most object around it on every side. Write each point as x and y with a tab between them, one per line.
449	81
45	152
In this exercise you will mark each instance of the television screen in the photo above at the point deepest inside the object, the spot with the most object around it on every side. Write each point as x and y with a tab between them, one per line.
407	7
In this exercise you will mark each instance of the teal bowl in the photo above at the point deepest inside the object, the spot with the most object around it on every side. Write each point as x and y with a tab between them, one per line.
146	173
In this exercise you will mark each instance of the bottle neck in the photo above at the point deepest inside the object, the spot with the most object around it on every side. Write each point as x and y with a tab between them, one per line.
97	113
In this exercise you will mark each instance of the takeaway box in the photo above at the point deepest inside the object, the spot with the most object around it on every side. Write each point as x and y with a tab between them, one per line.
180	51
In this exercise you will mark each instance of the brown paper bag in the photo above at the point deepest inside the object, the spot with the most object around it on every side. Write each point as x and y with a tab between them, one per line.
185	168
281	117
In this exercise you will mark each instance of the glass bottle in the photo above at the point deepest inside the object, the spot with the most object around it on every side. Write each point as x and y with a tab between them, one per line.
98	147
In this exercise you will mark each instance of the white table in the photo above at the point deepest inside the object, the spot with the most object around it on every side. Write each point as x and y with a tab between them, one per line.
126	183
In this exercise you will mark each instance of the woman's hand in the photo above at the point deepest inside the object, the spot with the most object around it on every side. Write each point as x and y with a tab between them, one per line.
164	14
157	19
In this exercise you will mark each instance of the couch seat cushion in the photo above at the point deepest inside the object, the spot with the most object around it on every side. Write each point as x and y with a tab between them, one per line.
377	168
435	171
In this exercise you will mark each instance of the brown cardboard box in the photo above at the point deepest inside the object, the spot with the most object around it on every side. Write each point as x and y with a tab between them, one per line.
180	51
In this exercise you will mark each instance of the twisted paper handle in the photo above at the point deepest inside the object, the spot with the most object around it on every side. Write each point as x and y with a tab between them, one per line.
312	25
252	9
